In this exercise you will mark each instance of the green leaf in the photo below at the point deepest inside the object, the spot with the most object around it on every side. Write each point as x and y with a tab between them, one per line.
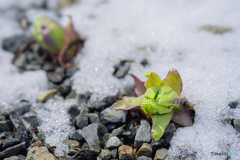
48	33
182	117
160	100
159	124
129	102
139	87
173	80
153	80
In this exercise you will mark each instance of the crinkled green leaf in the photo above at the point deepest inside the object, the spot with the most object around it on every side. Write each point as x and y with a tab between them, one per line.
160	100
129	102
159	124
153	80
174	81
182	117
139	87
48	33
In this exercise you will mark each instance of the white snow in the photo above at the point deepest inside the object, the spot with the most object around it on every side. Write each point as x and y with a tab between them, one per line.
208	63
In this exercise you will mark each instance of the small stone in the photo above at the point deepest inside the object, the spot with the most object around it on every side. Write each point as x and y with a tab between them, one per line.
113	142
13	158
40	153
86	155
122	70
170	129
145	150
21	61
117	132
105	154
91	134
48	66
64	90
9	142
157	144
111	126
5	126
10	151
47	95
143	158
76	135
20	108
126	153
82	118
114	153
106	102
167	141
161	154
125	92
72	94
143	134
144	62
56	77
110	115
71	143
74	112
32	67
236	123
93	117
215	29
233	104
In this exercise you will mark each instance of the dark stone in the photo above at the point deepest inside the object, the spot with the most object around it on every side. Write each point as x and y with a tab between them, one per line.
121	70
70	71
170	129
56	77
143	134
83	98
31	117
85	145
19	126
74	112
64	90
103	129
167	141
111	126
5	126
144	62
76	135
20	108
91	135
9	142
86	155
49	66
131	125
12	44
233	104
110	115
12	150
93	117
113	143
157	144
82	118
106	102
125	92
5	135
117	132
143	158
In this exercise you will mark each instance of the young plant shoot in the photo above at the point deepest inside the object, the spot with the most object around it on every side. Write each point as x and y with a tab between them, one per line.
160	99
62	44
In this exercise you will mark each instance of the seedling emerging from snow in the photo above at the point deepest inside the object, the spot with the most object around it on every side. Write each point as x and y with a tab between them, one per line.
63	44
160	99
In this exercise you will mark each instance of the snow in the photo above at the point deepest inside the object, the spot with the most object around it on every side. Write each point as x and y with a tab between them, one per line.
114	30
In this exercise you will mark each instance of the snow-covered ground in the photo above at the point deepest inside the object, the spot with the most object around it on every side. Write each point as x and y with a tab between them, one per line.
167	33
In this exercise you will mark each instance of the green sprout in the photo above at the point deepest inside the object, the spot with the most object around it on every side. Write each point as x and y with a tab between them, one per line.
158	99
62	44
